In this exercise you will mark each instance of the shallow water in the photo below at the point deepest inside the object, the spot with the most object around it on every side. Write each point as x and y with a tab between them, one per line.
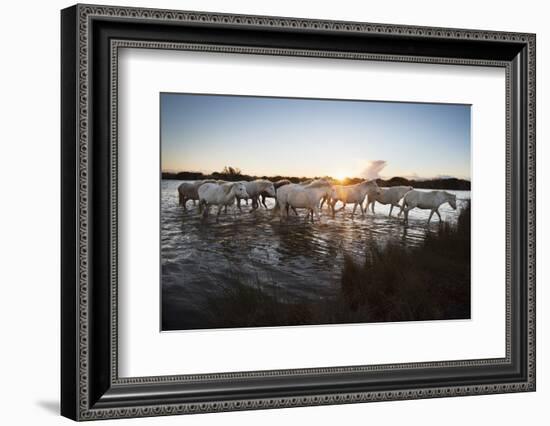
303	258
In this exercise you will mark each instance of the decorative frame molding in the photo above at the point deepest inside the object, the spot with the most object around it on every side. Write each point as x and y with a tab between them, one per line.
91	388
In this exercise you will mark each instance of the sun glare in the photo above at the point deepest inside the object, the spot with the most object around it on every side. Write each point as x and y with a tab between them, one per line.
339	175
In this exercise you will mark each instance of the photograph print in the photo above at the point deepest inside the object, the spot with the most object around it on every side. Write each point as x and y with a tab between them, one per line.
294	211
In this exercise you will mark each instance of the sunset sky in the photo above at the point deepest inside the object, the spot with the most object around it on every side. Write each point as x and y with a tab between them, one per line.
309	137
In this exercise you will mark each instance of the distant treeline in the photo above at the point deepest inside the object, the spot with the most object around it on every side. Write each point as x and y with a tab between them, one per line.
440	183
233	174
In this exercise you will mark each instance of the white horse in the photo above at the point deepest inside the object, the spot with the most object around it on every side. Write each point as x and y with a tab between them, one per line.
189	191
352	194
426	200
281	198
221	195
254	188
284	190
307	197
390	196
277	185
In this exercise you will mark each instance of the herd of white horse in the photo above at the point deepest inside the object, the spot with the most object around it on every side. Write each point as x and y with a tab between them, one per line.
310	195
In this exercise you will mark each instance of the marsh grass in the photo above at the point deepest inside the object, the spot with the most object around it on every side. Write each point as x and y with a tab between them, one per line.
423	283
253	303
392	283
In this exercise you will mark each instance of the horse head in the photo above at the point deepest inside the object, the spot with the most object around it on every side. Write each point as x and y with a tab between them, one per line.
451	198
239	190
270	189
371	186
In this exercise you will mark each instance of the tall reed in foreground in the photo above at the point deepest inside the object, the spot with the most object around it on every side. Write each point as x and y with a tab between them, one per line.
423	283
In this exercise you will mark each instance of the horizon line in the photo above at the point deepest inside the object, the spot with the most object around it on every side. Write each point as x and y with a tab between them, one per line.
417	179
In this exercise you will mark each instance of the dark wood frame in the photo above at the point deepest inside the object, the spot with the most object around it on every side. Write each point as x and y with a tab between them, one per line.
90	386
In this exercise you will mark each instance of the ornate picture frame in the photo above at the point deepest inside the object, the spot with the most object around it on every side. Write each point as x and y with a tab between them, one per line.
91	37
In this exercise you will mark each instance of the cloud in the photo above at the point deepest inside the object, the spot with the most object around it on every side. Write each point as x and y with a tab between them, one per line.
415	176
372	171
418	178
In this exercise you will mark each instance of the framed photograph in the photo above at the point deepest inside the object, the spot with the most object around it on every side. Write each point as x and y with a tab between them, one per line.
263	212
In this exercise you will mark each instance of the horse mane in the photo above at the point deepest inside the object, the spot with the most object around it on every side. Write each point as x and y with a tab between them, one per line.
227	187
280	183
318	184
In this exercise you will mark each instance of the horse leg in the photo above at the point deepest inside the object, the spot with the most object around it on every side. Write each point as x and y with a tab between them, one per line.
430	217
438	215
402	208
205	209
294	210
332	206
317	214
354	208
405	209
184	202
220	208
341	208
391	208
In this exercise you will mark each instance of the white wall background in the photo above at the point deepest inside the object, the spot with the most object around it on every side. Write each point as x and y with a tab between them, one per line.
29	211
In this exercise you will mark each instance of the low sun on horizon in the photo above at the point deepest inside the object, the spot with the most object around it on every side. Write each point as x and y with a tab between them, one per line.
340	175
